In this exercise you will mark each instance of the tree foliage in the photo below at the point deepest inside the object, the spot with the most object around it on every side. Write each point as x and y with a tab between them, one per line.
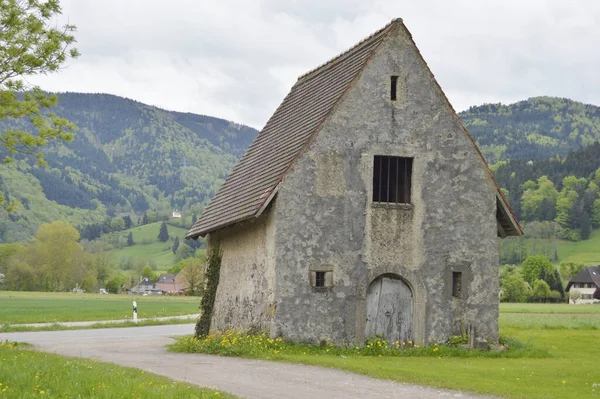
514	288
31	45
163	233
175	245
533	266
184	251
193	273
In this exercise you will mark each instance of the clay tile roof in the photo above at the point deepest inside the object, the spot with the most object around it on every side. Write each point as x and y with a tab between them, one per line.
253	181
589	274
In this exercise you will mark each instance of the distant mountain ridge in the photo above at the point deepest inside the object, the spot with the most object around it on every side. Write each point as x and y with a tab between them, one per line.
126	157
537	128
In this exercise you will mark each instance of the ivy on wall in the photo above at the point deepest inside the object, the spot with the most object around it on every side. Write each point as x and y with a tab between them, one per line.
213	271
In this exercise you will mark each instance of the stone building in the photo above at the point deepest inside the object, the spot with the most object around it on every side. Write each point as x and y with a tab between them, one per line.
363	207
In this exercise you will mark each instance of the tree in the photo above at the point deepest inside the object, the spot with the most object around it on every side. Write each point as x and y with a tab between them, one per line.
193	273
128	221
540	291
103	267
145	218
569	269
31	46
585	226
149	273
596	213
183	252
194	219
117	224
57	253
533	265
163	234
513	288
175	245
130	241
115	282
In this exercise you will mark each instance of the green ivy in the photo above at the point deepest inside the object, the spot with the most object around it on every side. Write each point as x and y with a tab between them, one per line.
213	271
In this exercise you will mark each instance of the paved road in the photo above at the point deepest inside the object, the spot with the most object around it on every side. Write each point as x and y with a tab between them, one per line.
144	348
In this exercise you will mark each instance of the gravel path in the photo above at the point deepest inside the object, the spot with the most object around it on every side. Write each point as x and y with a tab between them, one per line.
144	348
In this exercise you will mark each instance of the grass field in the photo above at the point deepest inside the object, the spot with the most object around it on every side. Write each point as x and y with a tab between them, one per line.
569	370
40	307
559	308
148	247
28	374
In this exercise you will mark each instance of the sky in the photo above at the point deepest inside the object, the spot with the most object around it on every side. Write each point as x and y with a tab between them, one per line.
238	59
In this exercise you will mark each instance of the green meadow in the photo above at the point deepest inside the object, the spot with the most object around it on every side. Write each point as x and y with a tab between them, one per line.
52	307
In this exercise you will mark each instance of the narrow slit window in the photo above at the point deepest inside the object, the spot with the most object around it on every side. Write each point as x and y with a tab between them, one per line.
456	284
392	178
393	87
320	279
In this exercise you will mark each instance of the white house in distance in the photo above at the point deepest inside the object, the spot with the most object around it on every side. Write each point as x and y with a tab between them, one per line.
584	287
176	213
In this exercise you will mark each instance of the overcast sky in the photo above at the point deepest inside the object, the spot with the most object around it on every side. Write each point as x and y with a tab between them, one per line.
236	59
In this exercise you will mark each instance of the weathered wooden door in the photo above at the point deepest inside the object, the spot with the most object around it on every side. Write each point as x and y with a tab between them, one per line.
389	309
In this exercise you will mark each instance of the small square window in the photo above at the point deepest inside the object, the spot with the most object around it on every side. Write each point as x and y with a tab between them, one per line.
456	284
320	279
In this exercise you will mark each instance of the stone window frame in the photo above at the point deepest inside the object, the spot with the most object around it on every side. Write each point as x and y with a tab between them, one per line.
327	281
401	183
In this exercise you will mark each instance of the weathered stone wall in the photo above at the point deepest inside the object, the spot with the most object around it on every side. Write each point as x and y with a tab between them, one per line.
245	294
327	221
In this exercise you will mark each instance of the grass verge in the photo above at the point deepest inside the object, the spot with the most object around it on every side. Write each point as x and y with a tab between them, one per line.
29	374
60	327
543	363
260	346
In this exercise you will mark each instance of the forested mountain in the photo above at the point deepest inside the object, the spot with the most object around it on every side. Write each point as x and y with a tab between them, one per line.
126	157
537	128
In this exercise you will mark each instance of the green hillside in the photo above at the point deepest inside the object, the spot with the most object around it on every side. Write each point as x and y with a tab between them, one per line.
148	248
127	157
586	251
537	128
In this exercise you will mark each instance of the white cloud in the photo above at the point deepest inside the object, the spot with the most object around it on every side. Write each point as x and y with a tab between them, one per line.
237	59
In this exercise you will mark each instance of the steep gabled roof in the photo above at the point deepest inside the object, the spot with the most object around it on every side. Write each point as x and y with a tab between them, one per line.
254	180
589	274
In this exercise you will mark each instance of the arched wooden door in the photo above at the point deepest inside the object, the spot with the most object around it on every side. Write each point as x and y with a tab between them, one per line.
389	309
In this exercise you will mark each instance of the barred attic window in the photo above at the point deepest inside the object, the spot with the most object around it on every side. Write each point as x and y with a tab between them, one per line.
392	177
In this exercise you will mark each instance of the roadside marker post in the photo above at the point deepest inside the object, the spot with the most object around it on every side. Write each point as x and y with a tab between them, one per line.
135	312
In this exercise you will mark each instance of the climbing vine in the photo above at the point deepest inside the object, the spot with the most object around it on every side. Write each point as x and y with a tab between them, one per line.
213	271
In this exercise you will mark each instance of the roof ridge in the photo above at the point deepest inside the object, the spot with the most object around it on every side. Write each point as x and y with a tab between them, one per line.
341	55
